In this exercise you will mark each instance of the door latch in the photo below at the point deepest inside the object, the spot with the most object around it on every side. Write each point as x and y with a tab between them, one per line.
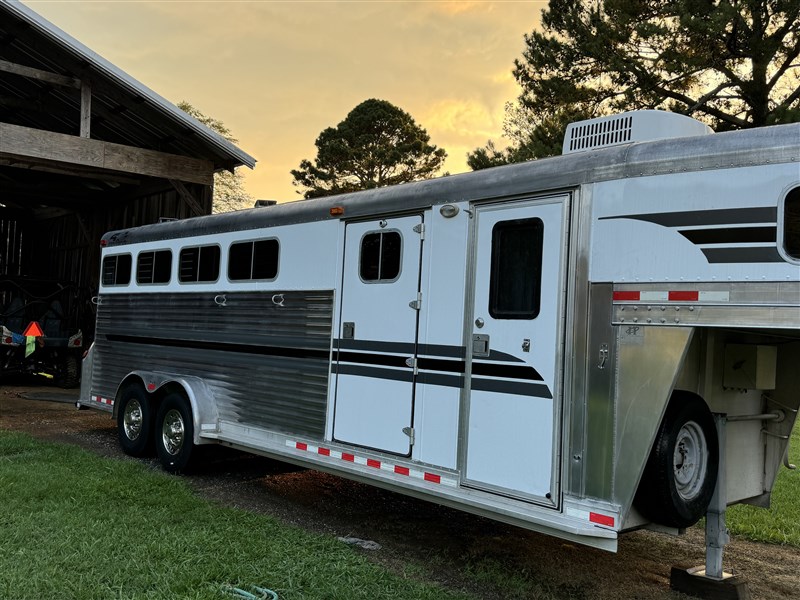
603	356
480	345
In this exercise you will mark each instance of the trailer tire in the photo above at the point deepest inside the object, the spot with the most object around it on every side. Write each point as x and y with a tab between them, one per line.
681	471
70	372
134	420
174	433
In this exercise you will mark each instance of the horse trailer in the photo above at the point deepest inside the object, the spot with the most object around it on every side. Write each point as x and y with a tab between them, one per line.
581	345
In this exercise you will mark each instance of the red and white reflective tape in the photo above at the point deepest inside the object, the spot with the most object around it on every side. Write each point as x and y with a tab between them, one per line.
671	296
371	462
592	517
103	400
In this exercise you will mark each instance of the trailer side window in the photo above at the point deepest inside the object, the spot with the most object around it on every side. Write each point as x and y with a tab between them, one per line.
117	269
199	263
154	266
381	253
253	260
516	276
791	223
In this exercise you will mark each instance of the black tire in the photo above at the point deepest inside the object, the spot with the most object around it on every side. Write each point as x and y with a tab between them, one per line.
134	420
174	433
70	374
681	472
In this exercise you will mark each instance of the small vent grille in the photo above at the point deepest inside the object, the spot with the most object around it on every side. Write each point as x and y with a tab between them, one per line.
599	134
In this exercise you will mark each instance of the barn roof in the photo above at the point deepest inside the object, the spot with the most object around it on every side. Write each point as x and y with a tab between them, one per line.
124	111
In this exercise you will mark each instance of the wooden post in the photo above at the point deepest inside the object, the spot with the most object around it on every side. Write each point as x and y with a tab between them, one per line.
86	108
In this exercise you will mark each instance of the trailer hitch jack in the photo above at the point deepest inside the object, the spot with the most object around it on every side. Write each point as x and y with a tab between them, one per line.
711	581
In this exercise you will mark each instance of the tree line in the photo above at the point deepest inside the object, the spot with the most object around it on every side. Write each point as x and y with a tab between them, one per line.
734	64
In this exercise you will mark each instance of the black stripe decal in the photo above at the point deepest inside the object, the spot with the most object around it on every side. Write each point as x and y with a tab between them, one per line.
454	381
374	372
731	235
384	360
725	216
424	349
222	347
537	390
506	371
742	255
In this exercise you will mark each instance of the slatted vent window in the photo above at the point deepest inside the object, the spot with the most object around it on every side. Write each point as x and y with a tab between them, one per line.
516	277
117	269
791	223
154	267
199	264
253	260
599	134
381	254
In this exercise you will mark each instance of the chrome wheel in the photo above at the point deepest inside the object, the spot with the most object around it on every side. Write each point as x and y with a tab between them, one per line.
690	460
173	432
132	419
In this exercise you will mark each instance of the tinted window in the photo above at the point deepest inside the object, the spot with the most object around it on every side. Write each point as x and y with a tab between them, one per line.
791	223
381	253
117	269
516	276
154	266
253	260
200	263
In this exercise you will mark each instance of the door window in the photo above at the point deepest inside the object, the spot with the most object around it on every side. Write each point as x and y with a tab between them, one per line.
381	254
516	269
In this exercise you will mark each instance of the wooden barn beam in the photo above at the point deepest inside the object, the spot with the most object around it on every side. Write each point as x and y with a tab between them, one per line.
40	75
35	146
187	197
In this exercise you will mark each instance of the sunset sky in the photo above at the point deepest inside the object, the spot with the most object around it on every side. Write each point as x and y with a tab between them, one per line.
278	72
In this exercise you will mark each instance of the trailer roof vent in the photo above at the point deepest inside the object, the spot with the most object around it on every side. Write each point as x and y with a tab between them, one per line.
264	203
627	127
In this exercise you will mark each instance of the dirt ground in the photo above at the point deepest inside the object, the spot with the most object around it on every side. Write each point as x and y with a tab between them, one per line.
419	538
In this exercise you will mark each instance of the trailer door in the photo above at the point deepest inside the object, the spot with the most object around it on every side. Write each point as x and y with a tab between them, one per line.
378	333
512	422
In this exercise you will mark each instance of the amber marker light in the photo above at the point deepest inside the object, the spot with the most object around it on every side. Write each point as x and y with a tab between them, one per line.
337	211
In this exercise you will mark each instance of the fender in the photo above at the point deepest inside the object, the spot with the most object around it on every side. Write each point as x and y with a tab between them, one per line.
201	399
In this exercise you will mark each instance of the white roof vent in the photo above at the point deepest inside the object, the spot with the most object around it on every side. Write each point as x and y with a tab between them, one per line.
627	127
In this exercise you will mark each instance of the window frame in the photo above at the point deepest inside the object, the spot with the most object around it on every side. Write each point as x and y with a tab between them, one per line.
199	248
793	189
154	251
253	241
117	257
360	252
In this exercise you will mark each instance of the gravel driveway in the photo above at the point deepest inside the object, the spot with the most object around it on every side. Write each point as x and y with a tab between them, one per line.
421	539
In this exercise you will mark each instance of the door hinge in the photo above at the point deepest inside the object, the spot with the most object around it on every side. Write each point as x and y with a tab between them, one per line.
416	304
420	229
411	362
409	431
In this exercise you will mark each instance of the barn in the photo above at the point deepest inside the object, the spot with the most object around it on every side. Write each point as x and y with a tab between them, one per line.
84	148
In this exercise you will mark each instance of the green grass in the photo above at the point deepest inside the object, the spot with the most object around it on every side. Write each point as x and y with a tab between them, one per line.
76	526
780	524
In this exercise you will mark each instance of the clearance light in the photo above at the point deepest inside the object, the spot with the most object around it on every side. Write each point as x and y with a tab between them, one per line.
337	211
103	243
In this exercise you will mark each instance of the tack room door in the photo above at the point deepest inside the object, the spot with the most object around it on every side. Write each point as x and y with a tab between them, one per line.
512	422
378	334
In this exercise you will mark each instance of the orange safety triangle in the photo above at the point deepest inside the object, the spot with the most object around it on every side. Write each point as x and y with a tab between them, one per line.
33	330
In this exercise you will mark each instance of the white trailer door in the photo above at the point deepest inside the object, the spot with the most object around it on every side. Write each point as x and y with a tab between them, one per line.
512	422
378	333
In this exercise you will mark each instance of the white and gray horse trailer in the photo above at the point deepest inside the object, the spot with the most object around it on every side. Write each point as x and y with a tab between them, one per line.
581	345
